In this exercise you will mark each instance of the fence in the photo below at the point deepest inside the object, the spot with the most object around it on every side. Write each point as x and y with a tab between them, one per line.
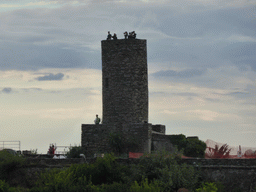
62	150
15	145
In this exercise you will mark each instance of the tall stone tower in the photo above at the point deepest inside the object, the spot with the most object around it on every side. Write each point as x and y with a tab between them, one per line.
124	81
125	101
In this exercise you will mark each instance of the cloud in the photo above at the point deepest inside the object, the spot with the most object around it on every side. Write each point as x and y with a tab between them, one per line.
51	77
7	90
188	73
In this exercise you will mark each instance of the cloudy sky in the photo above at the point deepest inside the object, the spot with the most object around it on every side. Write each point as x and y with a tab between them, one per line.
201	62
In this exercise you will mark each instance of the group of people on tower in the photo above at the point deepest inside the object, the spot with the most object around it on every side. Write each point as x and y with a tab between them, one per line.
51	150
131	35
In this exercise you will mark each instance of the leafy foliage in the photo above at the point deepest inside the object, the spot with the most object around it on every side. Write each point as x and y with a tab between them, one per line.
75	151
8	163
80	177
153	172
145	186
222	152
164	168
208	187
179	141
191	147
195	148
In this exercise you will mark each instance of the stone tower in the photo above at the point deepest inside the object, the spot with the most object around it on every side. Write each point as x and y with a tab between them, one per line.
124	81
125	101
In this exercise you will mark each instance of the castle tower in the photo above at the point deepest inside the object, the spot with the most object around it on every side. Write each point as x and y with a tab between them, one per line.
125	101
124	81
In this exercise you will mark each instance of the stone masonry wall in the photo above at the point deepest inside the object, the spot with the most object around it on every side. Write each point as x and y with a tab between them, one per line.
160	142
124	81
234	174
158	128
95	138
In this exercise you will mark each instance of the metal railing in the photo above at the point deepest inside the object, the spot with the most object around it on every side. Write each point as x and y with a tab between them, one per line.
15	145
62	150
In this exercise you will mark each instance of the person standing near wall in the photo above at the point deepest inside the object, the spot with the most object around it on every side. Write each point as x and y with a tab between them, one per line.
97	120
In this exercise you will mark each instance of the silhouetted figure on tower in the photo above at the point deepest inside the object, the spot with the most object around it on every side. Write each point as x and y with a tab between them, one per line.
114	37
109	36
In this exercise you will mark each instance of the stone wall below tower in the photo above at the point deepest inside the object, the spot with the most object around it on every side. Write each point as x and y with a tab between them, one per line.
96	138
161	142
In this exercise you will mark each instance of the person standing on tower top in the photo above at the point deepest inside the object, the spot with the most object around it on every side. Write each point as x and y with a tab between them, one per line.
97	120
125	35
114	37
109	36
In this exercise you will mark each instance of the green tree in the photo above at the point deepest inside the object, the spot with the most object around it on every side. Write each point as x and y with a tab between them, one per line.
180	141
195	148
191	147
75	151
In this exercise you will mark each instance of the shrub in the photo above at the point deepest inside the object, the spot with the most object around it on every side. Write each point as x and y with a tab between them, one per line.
208	187
179	141
195	148
218	152
146	187
191	147
80	177
75	151
8	163
164	168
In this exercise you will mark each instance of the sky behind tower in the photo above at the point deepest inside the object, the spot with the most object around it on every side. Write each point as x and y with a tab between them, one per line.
201	63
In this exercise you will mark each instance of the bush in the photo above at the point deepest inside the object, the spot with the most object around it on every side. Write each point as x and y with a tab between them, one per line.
4	187
195	148
164	169
179	141
8	163
208	187
103	174
146	187
74	152
191	147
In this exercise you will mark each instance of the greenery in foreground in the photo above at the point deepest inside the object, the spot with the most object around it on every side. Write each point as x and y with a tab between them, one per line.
153	173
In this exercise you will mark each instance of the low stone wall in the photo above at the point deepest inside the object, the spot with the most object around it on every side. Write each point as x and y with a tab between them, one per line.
220	162
232	173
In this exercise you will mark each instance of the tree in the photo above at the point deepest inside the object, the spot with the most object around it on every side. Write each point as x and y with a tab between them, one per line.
195	148
222	152
192	147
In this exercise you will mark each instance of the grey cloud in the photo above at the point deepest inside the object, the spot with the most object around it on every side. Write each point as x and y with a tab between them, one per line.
170	94
51	38
7	90
240	54
189	73
32	89
33	57
51	77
